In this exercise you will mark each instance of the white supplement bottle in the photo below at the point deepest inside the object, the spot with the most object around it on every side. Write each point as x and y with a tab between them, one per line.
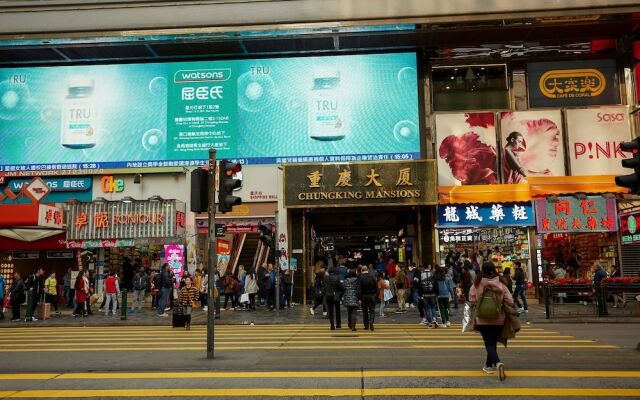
326	111
79	117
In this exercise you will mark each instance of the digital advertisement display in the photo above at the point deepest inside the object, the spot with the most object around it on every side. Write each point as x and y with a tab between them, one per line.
263	111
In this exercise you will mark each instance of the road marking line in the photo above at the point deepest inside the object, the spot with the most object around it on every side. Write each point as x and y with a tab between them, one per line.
314	374
49	339
287	347
314	392
287	342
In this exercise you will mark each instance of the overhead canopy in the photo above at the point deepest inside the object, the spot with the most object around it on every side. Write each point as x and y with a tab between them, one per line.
484	193
537	187
555	185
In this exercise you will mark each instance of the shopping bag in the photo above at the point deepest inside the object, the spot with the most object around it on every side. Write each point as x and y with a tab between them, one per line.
7	303
469	318
244	298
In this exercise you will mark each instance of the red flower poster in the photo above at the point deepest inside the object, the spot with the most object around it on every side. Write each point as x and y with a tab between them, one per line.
466	149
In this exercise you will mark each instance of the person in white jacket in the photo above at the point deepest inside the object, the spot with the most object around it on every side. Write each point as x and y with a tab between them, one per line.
251	288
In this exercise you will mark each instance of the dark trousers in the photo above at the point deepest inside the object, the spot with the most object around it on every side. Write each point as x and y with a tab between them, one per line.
53	299
443	305
228	296
333	305
421	308
15	309
352	316
520	293
368	309
287	295
252	301
490	335
79	310
271	298
317	301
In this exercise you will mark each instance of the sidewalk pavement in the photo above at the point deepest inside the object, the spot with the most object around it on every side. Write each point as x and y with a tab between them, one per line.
299	314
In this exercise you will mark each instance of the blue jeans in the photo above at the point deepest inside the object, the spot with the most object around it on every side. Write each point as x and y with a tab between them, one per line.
164	297
521	291
429	307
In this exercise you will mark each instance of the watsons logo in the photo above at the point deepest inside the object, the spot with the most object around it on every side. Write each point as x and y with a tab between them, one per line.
202	75
610	117
572	83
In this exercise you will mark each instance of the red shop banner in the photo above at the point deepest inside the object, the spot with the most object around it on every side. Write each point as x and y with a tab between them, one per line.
573	215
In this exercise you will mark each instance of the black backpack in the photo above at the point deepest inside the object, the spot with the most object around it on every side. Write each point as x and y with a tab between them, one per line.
428	285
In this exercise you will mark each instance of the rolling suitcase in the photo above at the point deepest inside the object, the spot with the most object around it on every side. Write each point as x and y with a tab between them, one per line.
178	319
44	310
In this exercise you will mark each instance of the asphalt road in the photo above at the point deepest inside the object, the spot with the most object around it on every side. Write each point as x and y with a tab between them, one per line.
310	361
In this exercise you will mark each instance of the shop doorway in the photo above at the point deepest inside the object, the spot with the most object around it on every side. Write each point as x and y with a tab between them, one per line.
364	235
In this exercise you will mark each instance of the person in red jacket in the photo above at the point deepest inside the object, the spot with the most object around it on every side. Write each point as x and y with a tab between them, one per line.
80	289
112	290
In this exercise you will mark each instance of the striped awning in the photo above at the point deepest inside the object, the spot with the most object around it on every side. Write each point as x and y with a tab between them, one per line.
537	187
555	185
483	193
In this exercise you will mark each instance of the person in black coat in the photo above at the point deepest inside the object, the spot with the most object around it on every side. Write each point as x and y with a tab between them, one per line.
332	295
368	296
17	296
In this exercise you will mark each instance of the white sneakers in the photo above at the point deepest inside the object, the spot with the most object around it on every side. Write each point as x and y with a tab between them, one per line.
448	324
489	370
423	322
311	311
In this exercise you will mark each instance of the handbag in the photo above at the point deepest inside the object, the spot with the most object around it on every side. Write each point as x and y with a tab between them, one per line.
244	298
175	293
469	318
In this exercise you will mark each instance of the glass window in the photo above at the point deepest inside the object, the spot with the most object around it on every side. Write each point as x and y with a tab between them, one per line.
470	87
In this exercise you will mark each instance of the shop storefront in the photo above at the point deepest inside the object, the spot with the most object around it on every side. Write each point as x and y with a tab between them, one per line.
576	232
121	234
358	209
499	232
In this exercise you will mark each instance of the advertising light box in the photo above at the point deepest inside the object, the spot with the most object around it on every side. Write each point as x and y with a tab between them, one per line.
263	111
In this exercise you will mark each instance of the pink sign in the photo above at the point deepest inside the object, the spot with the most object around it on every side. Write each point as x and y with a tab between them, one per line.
174	256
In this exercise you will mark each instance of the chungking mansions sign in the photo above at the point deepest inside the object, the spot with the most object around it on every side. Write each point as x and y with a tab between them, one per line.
359	184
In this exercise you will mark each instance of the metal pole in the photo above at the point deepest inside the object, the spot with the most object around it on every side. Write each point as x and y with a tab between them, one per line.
276	264
304	257
213	256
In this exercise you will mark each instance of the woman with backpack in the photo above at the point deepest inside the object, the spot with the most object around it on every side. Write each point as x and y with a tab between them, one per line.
489	292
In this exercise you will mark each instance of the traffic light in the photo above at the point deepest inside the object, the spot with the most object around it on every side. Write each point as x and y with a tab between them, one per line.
199	190
266	233
631	181
227	182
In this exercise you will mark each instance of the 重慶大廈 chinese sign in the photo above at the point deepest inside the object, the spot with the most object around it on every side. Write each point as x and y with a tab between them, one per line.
571	214
489	214
358	184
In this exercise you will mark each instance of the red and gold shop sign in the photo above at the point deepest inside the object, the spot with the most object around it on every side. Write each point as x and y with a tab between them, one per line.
116	220
572	215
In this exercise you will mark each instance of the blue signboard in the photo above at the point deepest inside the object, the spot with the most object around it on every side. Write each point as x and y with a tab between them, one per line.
62	189
489	214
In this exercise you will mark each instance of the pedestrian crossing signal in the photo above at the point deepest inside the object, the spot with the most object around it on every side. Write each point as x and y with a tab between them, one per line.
631	181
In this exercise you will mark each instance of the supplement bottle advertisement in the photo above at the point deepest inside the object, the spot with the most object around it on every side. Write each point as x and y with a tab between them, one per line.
307	109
